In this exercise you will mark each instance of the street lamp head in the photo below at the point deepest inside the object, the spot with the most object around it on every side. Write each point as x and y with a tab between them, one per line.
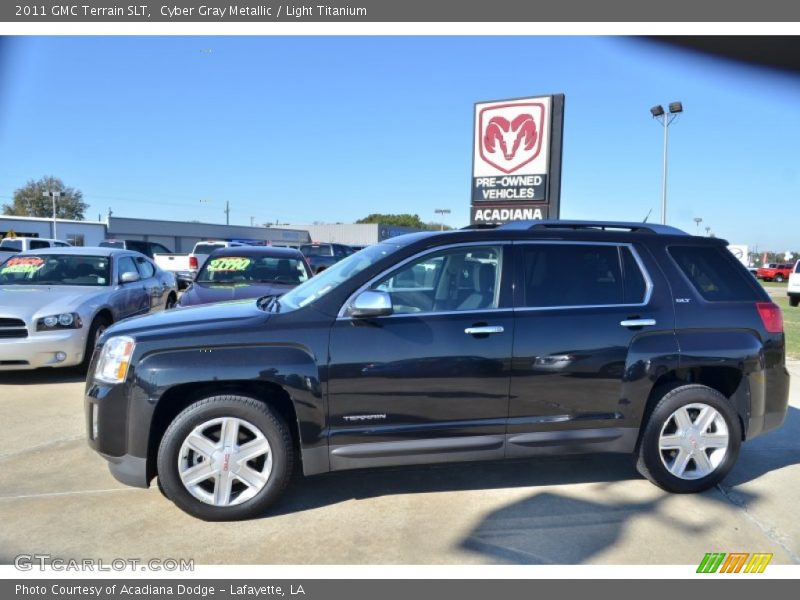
657	111
675	107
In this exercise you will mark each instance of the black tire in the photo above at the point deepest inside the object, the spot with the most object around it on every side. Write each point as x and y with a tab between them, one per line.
254	412
99	325
649	461
794	301
779	278
172	300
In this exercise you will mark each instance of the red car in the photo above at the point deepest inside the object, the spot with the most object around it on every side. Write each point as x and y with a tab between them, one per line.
774	272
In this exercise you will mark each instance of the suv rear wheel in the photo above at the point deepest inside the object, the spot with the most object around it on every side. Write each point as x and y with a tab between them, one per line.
691	440
225	458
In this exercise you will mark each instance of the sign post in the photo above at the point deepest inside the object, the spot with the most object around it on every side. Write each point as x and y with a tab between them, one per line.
516	160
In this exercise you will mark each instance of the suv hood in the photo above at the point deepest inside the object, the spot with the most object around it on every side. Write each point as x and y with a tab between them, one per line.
199	319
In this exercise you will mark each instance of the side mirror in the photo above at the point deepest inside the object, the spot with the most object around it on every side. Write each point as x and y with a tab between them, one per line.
129	277
370	303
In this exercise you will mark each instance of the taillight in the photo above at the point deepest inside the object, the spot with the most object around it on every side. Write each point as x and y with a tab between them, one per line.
771	316
192	262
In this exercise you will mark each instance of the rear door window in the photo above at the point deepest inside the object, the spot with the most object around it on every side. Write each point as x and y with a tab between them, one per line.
36	244
564	275
715	273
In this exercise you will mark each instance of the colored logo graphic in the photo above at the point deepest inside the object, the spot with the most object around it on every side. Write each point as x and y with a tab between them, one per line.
511	134
735	562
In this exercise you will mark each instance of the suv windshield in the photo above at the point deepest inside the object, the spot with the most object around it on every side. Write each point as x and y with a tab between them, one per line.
332	277
253	269
51	269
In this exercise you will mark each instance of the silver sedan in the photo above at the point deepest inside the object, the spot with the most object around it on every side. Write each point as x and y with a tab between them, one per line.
55	302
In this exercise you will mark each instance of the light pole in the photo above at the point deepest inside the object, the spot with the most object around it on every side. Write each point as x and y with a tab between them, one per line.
697	221
708	231
53	195
666	119
443	212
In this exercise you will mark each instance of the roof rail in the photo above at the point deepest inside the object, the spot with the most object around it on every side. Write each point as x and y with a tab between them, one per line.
481	226
599	225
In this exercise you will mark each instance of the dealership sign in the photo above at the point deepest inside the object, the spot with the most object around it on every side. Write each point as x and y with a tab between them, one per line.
516	164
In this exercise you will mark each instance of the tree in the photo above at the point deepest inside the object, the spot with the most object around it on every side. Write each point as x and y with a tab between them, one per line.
30	202
401	220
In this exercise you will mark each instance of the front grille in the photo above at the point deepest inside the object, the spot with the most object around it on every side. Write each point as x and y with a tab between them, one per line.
12	328
6	322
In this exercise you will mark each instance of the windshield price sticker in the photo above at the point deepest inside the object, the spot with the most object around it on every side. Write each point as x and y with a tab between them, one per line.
236	263
26	264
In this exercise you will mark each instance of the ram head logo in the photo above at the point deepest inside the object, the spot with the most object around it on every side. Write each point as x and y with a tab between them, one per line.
511	135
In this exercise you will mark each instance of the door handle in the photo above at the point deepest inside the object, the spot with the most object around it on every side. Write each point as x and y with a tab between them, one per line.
484	330
638	322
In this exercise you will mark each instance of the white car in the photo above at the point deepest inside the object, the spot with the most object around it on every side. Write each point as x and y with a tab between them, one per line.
55	303
10	246
794	285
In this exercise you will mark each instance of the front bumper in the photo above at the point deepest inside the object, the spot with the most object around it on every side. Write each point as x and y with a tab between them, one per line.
127	469
39	349
109	432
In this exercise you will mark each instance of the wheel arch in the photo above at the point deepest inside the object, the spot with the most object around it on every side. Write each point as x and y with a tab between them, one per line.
179	397
727	380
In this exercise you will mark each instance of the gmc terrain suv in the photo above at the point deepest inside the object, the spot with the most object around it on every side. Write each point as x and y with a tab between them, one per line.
529	339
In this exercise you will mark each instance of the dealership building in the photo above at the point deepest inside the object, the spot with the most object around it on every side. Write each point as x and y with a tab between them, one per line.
178	236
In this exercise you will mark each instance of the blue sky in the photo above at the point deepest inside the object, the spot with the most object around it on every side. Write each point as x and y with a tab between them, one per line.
303	129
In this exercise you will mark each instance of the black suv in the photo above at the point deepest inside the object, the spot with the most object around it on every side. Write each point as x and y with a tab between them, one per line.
532	338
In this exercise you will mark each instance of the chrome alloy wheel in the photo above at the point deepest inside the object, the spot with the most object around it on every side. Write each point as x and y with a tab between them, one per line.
693	441
225	461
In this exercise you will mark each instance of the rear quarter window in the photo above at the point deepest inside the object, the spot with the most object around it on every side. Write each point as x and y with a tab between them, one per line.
715	273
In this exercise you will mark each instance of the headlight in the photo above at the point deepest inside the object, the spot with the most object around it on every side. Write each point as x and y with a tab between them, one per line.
62	321
112	367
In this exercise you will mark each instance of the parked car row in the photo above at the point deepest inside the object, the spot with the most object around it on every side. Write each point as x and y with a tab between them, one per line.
56	300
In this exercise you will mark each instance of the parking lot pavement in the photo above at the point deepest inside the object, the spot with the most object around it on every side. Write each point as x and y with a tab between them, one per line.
57	497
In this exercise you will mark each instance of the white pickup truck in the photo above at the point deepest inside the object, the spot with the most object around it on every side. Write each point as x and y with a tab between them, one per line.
794	285
11	246
186	266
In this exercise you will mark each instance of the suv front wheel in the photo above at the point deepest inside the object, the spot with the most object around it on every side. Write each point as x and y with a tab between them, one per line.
691	440
225	458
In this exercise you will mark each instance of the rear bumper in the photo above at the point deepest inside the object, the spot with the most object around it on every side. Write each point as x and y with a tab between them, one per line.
40	349
769	401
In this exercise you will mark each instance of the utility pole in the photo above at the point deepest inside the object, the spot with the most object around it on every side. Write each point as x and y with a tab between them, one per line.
252	220
53	195
666	119
443	212
227	213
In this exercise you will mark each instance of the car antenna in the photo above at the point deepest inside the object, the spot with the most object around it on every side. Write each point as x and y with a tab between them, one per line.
648	215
